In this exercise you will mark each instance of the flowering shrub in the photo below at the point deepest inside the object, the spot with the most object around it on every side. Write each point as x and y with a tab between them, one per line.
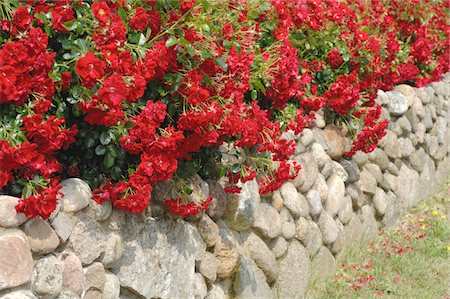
126	94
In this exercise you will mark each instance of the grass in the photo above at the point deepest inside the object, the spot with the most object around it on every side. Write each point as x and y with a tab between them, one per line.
408	261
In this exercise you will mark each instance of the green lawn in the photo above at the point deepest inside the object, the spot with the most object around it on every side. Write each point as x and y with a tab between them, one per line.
408	261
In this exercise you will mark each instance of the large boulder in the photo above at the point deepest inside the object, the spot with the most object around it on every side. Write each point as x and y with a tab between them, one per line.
159	261
241	208
249	281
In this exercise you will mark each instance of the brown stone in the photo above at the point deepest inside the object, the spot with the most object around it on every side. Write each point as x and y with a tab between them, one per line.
335	141
41	237
16	263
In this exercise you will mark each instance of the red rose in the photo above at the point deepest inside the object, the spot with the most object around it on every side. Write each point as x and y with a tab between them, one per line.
140	19
61	15
335	58
101	12
90	69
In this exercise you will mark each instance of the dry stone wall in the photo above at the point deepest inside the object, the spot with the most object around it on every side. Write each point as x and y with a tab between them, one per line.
244	246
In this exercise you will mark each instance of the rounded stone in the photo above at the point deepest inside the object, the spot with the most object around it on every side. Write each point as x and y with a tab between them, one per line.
76	194
209	230
288	225
294	201
335	141
328	228
314	202
16	262
336	193
41	237
267	221
73	274
308	172
47	276
226	253
8	216
278	246
380	201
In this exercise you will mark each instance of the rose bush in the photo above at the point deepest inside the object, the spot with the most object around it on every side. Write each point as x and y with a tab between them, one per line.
126	94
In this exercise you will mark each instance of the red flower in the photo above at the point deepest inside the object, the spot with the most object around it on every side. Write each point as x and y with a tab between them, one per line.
114	91
176	206
101	12
334	58
140	19
90	69
22	18
61	15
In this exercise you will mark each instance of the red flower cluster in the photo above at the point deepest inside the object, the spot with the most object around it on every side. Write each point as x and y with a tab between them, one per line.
177	207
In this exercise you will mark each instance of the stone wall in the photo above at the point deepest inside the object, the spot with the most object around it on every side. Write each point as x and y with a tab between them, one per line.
244	246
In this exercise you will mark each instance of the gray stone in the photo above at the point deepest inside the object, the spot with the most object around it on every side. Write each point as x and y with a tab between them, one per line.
328	228
200	288
159	260
441	128
334	168
8	215
441	88
294	201
216	292
113	249
63	225
391	145
380	201
408	186
302	230
315	239
367	182
321	186
360	158
218	205
47	276
209	230
288	224
277	200
335	141
345	214
41	237
407	91
241	208
398	103
407	148
369	223
405	125
18	294
351	236
432	146
294	272
16	263
278	246
261	254
392	210
249	281
375	171
351	169
392	168
416	159
319	154
308	173
306	137
88	239
427	178
112	287
379	157
267	223
358	198
95	278
73	274
395	127
427	120
420	133
76	194
336	193
99	212
389	182
207	266
226	253
314	202
323	264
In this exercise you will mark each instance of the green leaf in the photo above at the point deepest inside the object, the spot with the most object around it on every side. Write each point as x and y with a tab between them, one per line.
112	150
90	142
223	65
235	168
122	14
105	138
129	124
254	94
100	150
108	161
171	41
72	24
